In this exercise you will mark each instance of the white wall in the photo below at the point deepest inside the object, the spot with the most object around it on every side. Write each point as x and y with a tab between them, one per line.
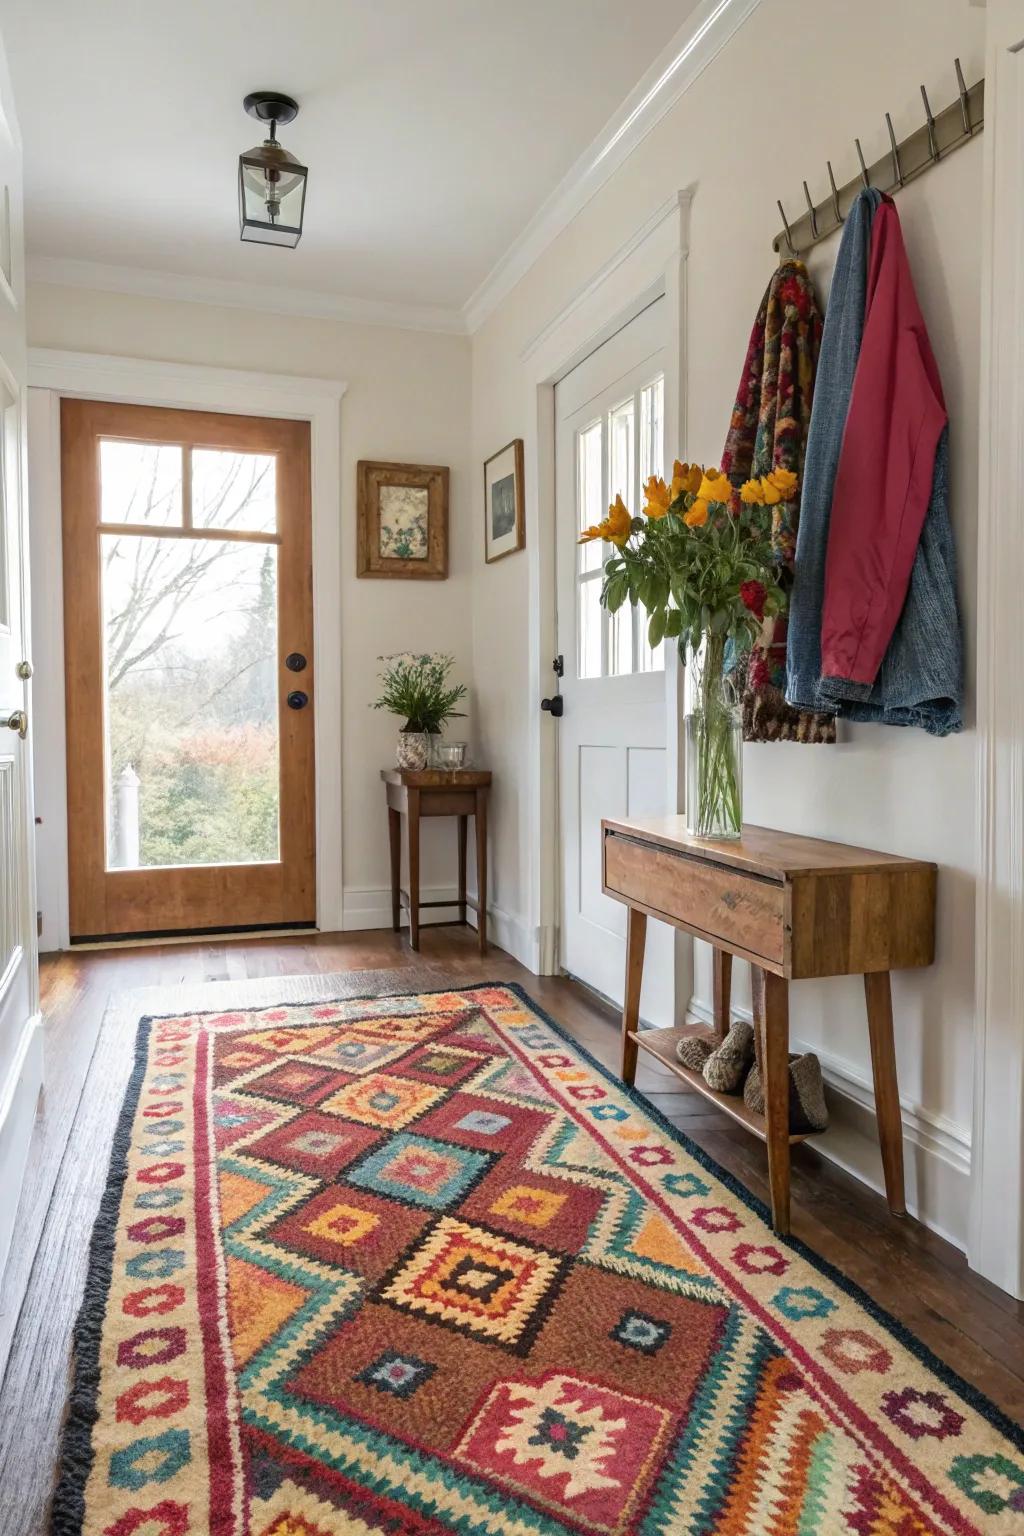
407	400
794	86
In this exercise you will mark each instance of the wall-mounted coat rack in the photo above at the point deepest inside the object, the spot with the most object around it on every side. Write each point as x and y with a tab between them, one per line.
939	135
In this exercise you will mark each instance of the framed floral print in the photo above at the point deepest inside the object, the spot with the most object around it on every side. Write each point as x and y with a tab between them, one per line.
504	512
402	520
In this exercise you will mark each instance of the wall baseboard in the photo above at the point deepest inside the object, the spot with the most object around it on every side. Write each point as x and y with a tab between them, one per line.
936	1152
369	906
18	1101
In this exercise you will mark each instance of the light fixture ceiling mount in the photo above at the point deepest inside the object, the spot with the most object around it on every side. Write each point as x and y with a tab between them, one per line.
271	182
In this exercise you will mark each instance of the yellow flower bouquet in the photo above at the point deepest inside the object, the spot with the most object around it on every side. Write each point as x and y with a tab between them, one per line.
700	561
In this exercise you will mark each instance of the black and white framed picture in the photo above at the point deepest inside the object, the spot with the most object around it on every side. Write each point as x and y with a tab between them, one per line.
504	515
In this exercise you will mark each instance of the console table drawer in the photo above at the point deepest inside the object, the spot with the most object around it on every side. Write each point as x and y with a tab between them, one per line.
744	911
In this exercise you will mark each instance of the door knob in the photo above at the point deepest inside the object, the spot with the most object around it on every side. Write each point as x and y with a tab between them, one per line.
297	699
554	706
18	721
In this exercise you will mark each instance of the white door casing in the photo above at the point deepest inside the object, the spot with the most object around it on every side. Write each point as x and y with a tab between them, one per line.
610	436
20	1038
996	1235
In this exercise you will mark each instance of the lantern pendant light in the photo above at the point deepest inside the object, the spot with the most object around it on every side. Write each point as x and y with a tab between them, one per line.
271	182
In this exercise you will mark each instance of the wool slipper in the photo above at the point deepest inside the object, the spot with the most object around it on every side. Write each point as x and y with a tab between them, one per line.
807	1108
726	1067
693	1051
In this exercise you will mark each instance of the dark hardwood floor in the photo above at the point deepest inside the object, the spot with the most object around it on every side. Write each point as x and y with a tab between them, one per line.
91	1000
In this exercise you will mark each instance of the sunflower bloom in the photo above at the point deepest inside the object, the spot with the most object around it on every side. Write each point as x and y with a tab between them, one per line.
686	478
784	482
658	497
715	486
619	523
751	493
770	494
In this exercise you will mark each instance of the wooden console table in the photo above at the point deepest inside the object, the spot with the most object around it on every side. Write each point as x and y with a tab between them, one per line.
460	792
795	907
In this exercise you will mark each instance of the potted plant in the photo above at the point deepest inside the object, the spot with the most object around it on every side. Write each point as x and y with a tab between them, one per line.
700	562
416	688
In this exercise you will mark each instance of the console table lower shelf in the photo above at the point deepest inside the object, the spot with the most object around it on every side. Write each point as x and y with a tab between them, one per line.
661	1044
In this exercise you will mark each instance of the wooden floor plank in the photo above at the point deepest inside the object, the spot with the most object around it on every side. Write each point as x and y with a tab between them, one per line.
91	1002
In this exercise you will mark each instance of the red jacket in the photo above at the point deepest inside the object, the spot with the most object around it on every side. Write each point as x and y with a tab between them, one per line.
884	480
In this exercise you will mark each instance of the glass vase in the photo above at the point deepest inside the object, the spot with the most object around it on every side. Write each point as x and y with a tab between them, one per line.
714	750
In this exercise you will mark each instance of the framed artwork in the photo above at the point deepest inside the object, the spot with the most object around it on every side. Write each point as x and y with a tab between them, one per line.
403	520
504	513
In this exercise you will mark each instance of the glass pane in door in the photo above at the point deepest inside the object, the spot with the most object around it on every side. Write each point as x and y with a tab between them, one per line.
234	490
190	700
140	482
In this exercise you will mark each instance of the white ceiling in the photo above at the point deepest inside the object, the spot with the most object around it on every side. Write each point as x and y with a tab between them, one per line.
433	129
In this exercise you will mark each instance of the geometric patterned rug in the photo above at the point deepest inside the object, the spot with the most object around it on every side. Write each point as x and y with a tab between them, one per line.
418	1265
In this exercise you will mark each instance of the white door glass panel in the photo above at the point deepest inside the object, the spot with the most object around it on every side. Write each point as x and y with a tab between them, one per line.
612	752
140	482
615	456
234	490
190	700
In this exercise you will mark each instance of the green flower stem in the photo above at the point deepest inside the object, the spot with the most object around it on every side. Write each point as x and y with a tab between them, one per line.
719	802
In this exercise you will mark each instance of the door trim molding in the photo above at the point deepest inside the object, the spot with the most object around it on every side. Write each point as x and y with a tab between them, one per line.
996	1229
650	264
139	381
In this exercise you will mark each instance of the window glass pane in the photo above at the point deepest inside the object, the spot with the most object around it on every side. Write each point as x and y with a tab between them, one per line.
648	660
620	641
591	508
190	701
234	490
590	616
621	461
140	482
652	430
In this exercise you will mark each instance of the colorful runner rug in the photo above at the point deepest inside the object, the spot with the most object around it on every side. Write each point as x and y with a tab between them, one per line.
419	1266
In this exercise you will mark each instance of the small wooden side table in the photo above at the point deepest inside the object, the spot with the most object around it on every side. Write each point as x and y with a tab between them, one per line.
794	907
460	792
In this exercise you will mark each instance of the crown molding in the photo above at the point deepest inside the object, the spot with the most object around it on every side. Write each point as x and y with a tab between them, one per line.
147	282
703	36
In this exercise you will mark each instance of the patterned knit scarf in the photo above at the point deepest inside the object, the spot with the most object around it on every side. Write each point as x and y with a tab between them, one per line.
768	431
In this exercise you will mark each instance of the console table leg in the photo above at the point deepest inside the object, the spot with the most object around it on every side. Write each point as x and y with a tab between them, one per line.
878	995
395	838
414	867
463	824
773	1024
722	991
636	935
481	869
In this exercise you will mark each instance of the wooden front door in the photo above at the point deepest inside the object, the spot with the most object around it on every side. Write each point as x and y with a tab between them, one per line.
188	625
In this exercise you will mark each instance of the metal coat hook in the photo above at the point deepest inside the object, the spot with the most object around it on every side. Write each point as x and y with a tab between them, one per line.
789	233
896	168
901	162
865	178
812	215
933	149
965	108
835	194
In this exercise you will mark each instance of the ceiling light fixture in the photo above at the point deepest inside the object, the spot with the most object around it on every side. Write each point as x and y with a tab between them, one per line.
271	182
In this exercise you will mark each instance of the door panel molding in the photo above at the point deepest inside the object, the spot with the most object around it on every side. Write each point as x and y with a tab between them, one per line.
56	374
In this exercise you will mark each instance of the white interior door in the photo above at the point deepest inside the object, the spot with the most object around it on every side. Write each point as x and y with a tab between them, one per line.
20	1053
609	416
